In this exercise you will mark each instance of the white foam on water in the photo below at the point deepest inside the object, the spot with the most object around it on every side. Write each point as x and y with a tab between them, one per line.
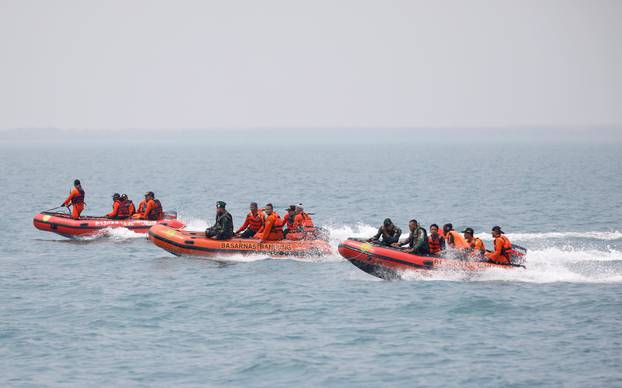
572	260
604	236
122	234
550	265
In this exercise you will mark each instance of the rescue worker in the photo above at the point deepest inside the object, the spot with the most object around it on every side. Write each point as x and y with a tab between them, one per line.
223	227
454	239
302	220
153	208
417	240
273	227
75	200
503	248
436	242
116	199
126	203
142	205
255	219
288	222
389	233
477	248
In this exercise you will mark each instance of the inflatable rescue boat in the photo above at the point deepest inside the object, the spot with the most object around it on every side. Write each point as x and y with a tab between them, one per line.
63	224
182	242
389	263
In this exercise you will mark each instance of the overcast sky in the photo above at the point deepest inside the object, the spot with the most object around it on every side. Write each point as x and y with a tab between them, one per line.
312	64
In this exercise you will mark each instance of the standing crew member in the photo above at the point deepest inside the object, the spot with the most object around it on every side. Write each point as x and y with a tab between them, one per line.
417	240
75	200
476	245
389	232
116	199
273	228
223	227
503	248
153	209
454	239
255	219
436	242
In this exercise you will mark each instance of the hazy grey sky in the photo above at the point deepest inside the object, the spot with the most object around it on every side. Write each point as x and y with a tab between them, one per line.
245	64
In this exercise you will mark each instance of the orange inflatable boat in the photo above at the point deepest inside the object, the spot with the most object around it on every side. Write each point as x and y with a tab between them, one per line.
389	263
64	225
182	242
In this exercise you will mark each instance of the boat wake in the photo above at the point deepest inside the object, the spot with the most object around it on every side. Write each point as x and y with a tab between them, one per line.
575	257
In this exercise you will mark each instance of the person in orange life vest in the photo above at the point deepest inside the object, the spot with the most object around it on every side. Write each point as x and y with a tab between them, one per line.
255	219
302	221
129	204
291	233
436	242
503	248
153	211
477	248
116	198
142	206
454	239
75	200
273	227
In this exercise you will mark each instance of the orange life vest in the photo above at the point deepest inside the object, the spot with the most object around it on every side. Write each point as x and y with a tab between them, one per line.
79	198
142	206
124	209
435	244
156	212
255	222
506	247
288	220
459	241
303	220
474	245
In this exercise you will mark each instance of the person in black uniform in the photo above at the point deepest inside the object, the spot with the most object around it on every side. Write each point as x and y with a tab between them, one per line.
223	227
387	234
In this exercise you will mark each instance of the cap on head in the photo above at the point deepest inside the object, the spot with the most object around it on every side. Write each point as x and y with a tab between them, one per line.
387	222
116	196
497	229
149	194
220	205
123	196
469	231
76	182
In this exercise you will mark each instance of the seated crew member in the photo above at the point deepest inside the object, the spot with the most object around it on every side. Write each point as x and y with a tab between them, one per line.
153	208
75	199
142	205
436	242
116	199
388	232
476	245
288	221
454	239
223	227
273	227
253	222
417	240
503	248
125	201
302	221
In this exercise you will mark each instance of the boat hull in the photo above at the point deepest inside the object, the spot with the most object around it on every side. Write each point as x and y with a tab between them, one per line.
182	242
64	225
389	263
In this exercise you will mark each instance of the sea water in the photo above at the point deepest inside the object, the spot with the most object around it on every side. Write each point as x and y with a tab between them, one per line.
116	310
